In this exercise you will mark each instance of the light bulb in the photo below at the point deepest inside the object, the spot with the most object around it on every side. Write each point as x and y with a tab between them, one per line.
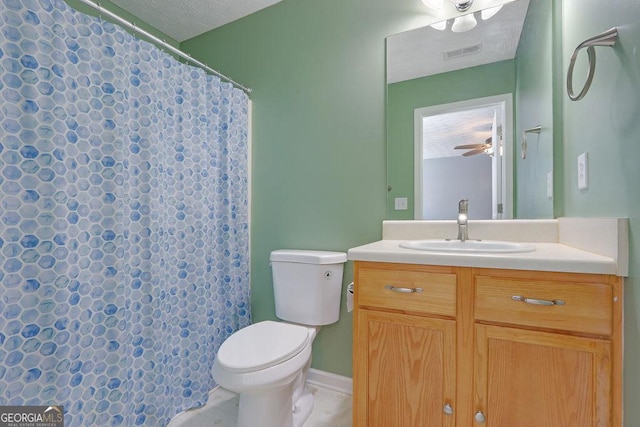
433	4
464	23
441	26
488	13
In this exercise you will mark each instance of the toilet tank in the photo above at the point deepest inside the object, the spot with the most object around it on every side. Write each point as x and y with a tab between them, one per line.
307	285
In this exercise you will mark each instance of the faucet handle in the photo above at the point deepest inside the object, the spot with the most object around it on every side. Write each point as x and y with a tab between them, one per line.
463	205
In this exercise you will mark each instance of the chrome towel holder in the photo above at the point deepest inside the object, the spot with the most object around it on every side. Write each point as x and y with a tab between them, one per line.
535	129
607	38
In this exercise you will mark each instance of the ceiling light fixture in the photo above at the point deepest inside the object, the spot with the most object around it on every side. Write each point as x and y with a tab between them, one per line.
433	4
462	5
488	13
441	26
464	23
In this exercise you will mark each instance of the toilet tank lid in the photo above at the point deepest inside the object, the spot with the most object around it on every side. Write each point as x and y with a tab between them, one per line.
308	256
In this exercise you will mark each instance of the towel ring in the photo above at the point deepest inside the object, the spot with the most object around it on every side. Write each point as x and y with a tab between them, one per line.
607	38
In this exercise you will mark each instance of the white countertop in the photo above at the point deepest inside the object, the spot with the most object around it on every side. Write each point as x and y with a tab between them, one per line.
546	257
573	245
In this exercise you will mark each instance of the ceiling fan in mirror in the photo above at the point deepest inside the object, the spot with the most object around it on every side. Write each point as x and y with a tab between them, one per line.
474	149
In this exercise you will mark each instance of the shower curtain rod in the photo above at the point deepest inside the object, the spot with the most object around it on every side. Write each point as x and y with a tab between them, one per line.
164	44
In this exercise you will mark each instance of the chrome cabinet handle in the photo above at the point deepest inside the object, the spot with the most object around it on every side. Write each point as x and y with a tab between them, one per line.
479	417
535	301
448	410
404	290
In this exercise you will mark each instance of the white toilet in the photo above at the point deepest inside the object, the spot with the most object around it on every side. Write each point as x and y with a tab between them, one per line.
267	362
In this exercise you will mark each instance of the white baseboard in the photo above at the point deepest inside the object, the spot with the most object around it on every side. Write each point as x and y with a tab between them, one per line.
330	381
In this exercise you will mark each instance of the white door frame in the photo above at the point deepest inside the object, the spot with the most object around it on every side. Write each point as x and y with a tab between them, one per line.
505	186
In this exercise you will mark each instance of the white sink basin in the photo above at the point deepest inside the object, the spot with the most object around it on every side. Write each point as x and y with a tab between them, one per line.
468	246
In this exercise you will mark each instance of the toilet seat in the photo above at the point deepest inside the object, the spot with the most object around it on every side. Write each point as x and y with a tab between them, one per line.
262	345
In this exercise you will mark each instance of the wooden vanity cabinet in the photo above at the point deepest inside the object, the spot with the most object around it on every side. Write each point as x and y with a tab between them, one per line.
533	379
405	346
486	347
548	348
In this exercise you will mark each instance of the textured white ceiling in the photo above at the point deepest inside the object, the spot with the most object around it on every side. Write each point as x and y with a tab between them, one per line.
419	53
184	19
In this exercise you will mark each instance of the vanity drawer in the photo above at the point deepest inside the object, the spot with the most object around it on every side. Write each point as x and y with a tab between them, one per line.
407	290
576	307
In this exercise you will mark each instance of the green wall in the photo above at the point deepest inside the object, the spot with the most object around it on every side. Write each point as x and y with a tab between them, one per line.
403	97
317	70
534	106
605	123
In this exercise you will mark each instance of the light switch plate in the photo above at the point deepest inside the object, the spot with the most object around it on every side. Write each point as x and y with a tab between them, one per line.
401	203
583	171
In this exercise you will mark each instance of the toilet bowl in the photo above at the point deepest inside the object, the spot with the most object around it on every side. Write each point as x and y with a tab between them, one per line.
267	362
264	354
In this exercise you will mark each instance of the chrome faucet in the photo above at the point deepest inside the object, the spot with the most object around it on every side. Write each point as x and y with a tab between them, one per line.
463	211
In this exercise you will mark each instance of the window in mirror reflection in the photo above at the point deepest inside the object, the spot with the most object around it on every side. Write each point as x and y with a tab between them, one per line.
462	152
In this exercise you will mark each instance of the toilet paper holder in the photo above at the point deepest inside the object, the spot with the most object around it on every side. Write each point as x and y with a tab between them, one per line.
350	289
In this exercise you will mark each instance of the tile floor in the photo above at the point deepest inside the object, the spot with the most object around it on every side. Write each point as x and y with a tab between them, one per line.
330	409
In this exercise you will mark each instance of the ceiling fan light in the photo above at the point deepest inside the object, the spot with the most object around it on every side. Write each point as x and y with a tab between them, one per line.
440	26
464	23
488	13
433	4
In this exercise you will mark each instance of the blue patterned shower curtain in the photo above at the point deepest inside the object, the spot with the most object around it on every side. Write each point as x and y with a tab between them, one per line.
124	235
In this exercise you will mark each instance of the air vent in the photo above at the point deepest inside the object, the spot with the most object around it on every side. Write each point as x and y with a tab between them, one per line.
465	51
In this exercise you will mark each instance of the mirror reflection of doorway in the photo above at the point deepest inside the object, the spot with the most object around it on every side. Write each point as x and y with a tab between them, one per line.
463	151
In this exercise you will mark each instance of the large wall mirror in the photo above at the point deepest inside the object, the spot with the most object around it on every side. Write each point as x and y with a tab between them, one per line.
470	114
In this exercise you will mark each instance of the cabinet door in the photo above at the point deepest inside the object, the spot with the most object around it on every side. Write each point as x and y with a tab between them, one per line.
404	370
537	379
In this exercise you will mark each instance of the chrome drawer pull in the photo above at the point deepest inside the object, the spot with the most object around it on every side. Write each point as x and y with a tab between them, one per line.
404	290
537	301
